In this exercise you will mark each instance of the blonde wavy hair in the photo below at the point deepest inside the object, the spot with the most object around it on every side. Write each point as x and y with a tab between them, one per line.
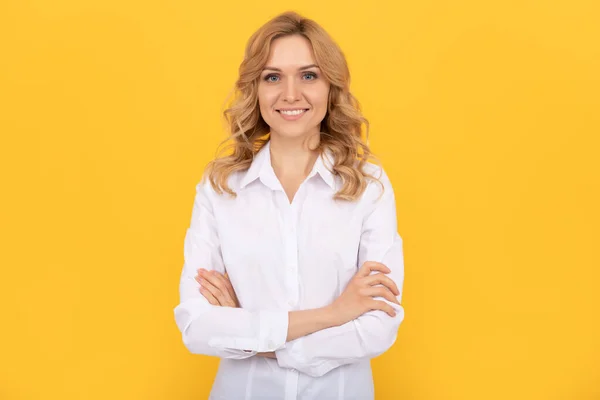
341	129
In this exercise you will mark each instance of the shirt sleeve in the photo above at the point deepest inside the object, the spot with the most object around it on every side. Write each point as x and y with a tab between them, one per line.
224	332
374	332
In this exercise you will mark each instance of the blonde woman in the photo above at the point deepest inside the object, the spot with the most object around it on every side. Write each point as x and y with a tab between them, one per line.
293	266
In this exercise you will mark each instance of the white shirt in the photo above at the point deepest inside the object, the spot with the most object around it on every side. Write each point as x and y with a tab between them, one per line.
283	256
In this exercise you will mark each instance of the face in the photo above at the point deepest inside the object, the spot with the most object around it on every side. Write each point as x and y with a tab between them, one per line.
292	93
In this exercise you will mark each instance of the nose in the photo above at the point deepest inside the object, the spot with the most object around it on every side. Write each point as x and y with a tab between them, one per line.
291	92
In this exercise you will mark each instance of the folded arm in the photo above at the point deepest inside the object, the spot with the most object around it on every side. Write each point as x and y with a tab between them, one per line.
374	332
212	330
229	332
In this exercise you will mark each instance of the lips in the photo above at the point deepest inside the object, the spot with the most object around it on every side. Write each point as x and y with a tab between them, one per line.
292	111
292	114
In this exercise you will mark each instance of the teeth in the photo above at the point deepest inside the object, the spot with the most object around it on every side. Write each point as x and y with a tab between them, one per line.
291	112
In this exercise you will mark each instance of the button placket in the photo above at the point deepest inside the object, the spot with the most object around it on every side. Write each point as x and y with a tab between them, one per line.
292	252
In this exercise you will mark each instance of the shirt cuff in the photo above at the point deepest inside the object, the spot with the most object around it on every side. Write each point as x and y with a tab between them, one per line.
273	328
290	356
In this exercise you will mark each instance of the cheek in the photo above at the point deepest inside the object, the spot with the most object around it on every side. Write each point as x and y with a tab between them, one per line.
321	94
320	101
265	103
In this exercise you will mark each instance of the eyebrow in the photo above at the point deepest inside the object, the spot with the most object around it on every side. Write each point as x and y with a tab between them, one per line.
299	69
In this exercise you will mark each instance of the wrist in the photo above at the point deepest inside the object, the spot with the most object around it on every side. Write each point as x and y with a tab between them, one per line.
305	322
330	316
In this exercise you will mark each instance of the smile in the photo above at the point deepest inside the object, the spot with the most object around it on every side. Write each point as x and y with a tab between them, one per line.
292	115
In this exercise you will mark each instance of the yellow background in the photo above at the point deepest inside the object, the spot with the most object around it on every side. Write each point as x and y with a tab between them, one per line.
486	117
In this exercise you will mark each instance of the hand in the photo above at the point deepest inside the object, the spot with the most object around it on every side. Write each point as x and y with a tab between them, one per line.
357	298
217	289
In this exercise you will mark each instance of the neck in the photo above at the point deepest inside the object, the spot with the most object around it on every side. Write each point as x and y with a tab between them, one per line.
293	157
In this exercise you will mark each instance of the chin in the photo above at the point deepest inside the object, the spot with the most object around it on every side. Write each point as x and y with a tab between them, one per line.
290	132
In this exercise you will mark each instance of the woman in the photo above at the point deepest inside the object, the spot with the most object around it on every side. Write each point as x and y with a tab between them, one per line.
293	265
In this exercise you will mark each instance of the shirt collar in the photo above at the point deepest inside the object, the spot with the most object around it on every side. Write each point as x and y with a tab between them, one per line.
261	168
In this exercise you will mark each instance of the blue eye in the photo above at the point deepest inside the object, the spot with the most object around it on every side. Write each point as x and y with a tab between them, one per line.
268	78
308	76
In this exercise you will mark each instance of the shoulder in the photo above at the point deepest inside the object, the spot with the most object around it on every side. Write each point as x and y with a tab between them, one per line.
205	193
205	189
378	181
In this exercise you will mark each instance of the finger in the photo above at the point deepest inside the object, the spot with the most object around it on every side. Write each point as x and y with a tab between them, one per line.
222	298
225	280
201	274
380	291
218	281
370	266
384	280
235	298
209	289
208	296
387	294
383	306
225	285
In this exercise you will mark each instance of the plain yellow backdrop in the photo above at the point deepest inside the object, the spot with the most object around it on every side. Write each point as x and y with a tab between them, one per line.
485	115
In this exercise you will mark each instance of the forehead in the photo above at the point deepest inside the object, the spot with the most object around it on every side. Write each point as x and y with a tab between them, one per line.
290	52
